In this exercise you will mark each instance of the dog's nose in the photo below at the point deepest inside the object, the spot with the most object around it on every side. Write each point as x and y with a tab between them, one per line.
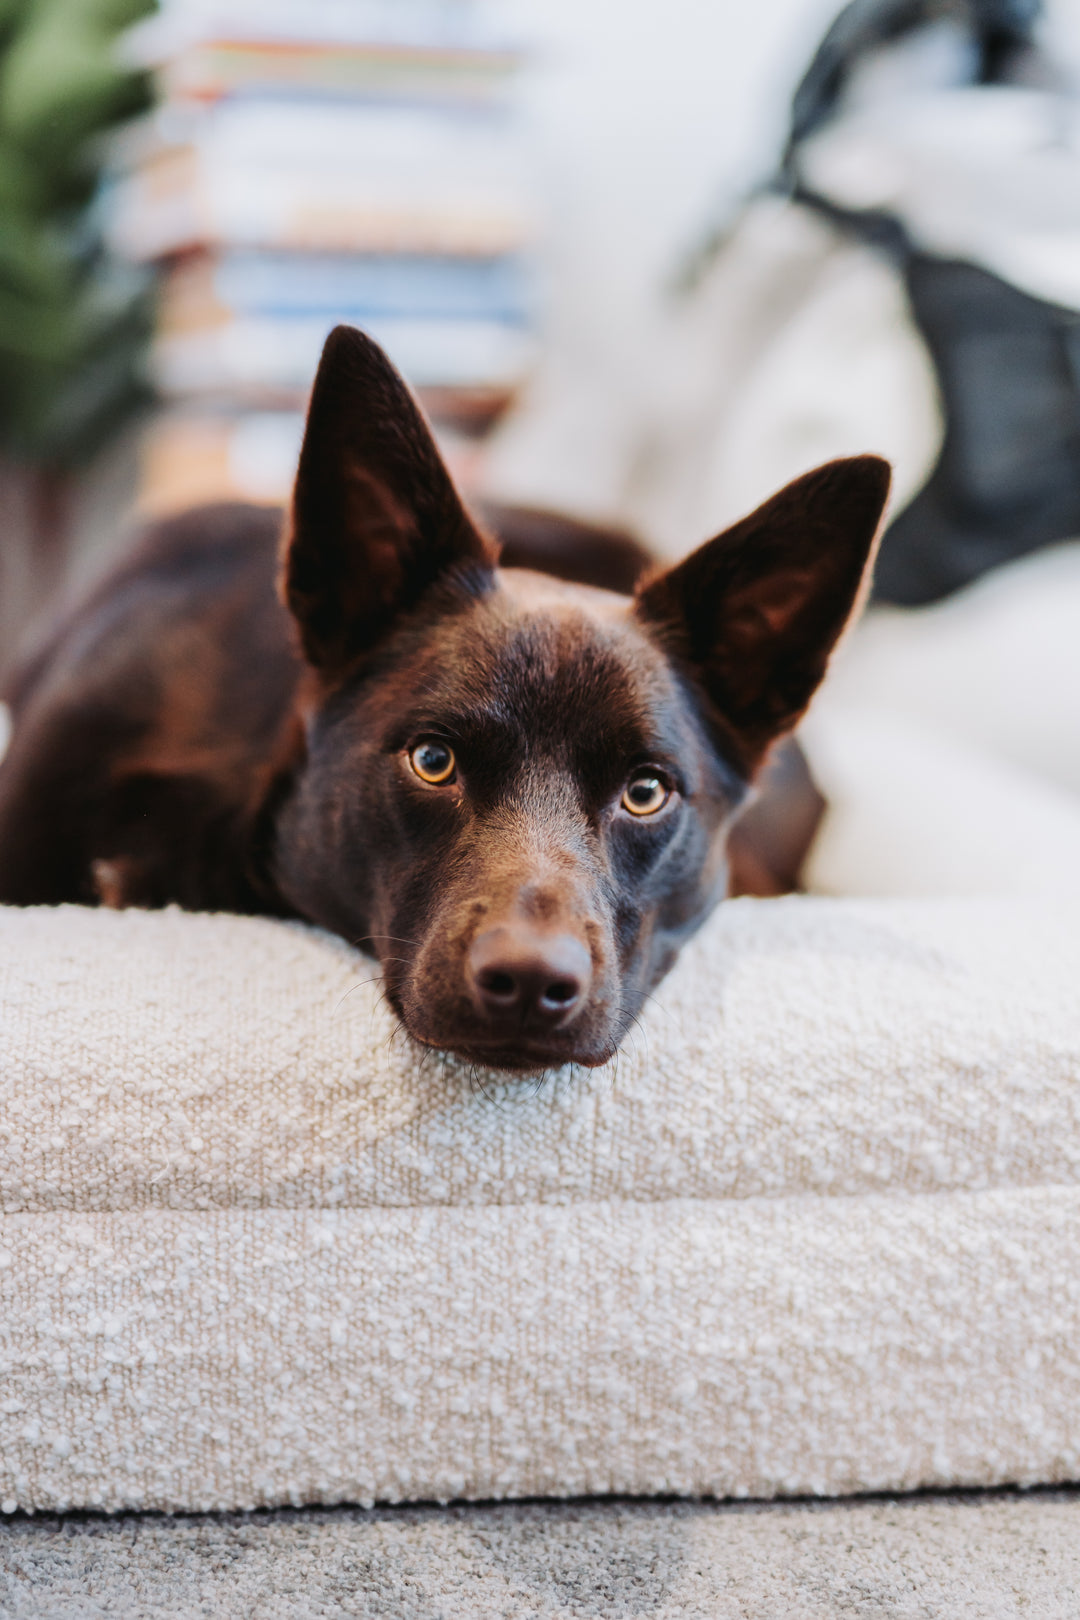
517	974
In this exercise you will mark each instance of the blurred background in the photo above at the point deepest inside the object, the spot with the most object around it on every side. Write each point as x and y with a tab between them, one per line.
642	264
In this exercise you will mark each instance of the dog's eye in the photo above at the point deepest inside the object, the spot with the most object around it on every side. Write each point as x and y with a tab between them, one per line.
433	762
645	795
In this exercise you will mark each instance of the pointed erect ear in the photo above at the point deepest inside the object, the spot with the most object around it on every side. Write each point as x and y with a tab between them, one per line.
375	516
755	613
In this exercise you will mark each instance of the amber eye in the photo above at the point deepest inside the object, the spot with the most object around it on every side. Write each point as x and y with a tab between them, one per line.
645	795
433	762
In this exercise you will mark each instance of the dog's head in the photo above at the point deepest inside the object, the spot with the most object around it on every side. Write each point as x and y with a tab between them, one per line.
516	791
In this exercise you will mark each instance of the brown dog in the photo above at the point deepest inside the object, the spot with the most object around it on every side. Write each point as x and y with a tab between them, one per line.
514	789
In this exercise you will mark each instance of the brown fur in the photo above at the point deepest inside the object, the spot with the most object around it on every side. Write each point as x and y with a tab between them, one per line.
184	737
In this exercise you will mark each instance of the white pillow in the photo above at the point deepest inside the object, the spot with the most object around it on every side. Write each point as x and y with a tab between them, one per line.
947	742
816	1231
995	667
914	811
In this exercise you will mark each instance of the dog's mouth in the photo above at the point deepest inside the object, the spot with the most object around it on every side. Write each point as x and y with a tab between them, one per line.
518	1057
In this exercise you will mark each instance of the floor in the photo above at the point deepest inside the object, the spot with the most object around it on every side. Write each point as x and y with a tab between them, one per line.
968	1556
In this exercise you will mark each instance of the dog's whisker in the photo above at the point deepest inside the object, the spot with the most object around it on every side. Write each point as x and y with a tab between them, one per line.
398	1029
426	1057
381	1000
352	990
657	1006
632	1022
625	1034
476	1084
539	1086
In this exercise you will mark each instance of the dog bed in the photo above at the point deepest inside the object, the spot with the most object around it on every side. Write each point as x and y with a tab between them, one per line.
814	1232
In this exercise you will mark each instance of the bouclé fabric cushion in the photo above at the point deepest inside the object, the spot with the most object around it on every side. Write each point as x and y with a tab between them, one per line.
814	1231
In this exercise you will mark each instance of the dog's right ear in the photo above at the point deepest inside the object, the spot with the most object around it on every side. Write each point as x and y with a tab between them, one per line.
375	517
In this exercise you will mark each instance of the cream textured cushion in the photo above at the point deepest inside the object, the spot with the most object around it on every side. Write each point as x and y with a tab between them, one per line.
817	1231
946	742
914	812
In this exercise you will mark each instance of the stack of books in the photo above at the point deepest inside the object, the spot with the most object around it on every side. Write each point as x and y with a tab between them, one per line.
317	161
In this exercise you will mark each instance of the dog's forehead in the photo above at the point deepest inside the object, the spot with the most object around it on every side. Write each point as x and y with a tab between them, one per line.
535	667
549	664
527	593
561	641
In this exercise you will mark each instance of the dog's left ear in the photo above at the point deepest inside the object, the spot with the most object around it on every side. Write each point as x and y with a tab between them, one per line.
756	612
375	516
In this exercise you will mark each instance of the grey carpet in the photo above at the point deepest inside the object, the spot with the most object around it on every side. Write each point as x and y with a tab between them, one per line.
986	1556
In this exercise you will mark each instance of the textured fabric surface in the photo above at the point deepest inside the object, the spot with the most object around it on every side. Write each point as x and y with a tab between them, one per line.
799	1046
913	812
982	1558
945	740
816	1232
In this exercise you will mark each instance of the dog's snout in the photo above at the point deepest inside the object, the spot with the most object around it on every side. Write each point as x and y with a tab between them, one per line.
519	975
